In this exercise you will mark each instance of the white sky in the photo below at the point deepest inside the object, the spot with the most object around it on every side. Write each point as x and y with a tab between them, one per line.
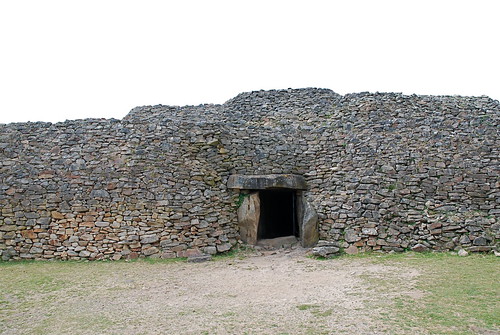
76	59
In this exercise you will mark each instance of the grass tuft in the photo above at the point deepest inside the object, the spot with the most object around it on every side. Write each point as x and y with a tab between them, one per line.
459	293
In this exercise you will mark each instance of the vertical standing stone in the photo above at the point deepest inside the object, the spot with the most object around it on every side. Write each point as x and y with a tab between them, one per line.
248	218
310	233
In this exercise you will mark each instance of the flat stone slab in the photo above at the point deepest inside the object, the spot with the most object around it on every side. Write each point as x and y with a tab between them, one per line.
269	181
278	242
199	258
325	251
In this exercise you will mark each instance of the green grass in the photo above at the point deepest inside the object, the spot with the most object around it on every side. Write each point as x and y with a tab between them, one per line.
22	278
72	324
40	289
316	310
305	307
461	295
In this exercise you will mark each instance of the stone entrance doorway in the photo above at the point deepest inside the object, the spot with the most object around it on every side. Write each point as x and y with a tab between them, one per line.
272	206
278	216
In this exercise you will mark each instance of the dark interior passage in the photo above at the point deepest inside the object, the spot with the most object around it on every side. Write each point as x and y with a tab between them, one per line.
277	214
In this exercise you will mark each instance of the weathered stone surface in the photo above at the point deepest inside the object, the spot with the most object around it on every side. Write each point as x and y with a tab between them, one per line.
168	254
325	251
99	194
199	258
263	182
149	239
351	236
419	248
351	250
323	243
210	250
464	240
383	171
482	248
309	229
369	231
192	252
56	215
150	251
278	242
248	218
462	253
134	255
480	241
35	250
223	247
84	253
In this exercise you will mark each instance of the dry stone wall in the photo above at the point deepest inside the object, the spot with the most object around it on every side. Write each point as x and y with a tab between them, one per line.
385	172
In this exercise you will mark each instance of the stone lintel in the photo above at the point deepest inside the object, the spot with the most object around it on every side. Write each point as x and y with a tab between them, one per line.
268	181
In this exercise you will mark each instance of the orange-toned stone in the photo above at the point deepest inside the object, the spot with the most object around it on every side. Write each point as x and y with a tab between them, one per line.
55	243
56	215
28	234
111	186
359	243
192	252
133	255
10	191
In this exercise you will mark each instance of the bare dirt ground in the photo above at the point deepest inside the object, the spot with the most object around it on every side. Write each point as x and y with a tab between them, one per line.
283	292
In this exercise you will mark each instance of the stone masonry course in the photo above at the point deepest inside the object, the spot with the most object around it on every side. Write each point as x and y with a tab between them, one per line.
384	172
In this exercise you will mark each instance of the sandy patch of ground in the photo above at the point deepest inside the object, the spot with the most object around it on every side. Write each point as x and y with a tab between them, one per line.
282	293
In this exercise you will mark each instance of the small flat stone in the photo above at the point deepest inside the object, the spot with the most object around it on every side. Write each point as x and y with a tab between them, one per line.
146	239
480	241
352	250
210	250
150	251
462	253
278	242
369	231
223	247
56	215
199	258
481	248
325	251
419	248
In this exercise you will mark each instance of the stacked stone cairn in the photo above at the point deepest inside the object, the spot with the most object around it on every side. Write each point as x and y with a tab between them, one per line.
385	172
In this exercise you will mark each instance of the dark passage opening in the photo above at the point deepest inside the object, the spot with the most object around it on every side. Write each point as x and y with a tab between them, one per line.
277	214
